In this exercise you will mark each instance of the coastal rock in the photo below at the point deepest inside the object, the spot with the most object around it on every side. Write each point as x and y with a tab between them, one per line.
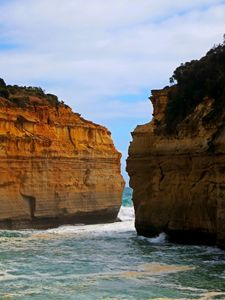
56	167
179	179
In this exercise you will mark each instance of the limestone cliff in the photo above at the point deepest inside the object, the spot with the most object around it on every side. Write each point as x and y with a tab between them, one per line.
56	167
178	175
178	181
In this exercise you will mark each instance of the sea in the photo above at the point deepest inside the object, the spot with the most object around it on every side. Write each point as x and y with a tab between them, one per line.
106	261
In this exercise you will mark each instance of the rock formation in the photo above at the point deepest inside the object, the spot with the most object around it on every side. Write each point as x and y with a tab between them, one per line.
56	167
178	183
178	178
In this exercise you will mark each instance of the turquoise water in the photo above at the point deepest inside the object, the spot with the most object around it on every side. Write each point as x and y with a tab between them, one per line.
127	197
106	262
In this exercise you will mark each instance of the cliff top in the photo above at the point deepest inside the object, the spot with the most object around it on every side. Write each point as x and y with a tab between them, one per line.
34	123
22	96
193	83
34	105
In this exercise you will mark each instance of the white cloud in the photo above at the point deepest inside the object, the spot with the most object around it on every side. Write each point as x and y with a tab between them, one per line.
93	52
106	46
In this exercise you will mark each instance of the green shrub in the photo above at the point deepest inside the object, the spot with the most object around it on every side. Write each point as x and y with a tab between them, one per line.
52	99
20	101
195	81
13	89
2	83
20	95
4	92
35	91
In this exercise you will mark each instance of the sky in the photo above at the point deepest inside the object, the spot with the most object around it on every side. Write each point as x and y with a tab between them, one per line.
103	57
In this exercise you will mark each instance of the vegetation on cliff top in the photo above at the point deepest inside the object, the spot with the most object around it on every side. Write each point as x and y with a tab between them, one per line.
196	81
22	95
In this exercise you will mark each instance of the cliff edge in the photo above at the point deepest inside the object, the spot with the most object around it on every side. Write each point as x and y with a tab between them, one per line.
56	167
176	162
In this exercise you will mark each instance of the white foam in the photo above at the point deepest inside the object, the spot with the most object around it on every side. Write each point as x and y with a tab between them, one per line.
160	239
117	226
126	213
4	275
126	223
94	229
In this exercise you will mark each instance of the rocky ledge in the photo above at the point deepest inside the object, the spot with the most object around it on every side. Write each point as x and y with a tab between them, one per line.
176	162
56	167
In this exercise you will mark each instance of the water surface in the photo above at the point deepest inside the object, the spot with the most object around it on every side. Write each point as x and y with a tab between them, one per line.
106	262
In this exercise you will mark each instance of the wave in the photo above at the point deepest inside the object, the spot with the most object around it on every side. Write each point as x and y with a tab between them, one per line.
126	213
160	239
93	230
125	223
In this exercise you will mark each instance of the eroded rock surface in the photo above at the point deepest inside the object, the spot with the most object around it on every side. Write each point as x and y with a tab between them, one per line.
56	167
179	179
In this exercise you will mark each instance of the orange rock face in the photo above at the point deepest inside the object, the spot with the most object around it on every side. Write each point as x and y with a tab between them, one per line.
179	180
56	167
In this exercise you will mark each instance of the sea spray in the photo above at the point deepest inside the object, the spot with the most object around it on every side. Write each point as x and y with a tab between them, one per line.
160	239
126	213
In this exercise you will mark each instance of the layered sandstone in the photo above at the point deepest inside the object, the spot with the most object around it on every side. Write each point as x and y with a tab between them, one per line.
56	167
179	179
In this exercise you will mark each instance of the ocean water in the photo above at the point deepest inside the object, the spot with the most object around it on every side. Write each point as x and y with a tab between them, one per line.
106	261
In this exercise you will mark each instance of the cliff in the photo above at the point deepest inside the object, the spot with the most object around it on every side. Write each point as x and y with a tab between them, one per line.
176	163
56	167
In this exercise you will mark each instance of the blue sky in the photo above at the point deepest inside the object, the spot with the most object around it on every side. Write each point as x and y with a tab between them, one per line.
104	57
